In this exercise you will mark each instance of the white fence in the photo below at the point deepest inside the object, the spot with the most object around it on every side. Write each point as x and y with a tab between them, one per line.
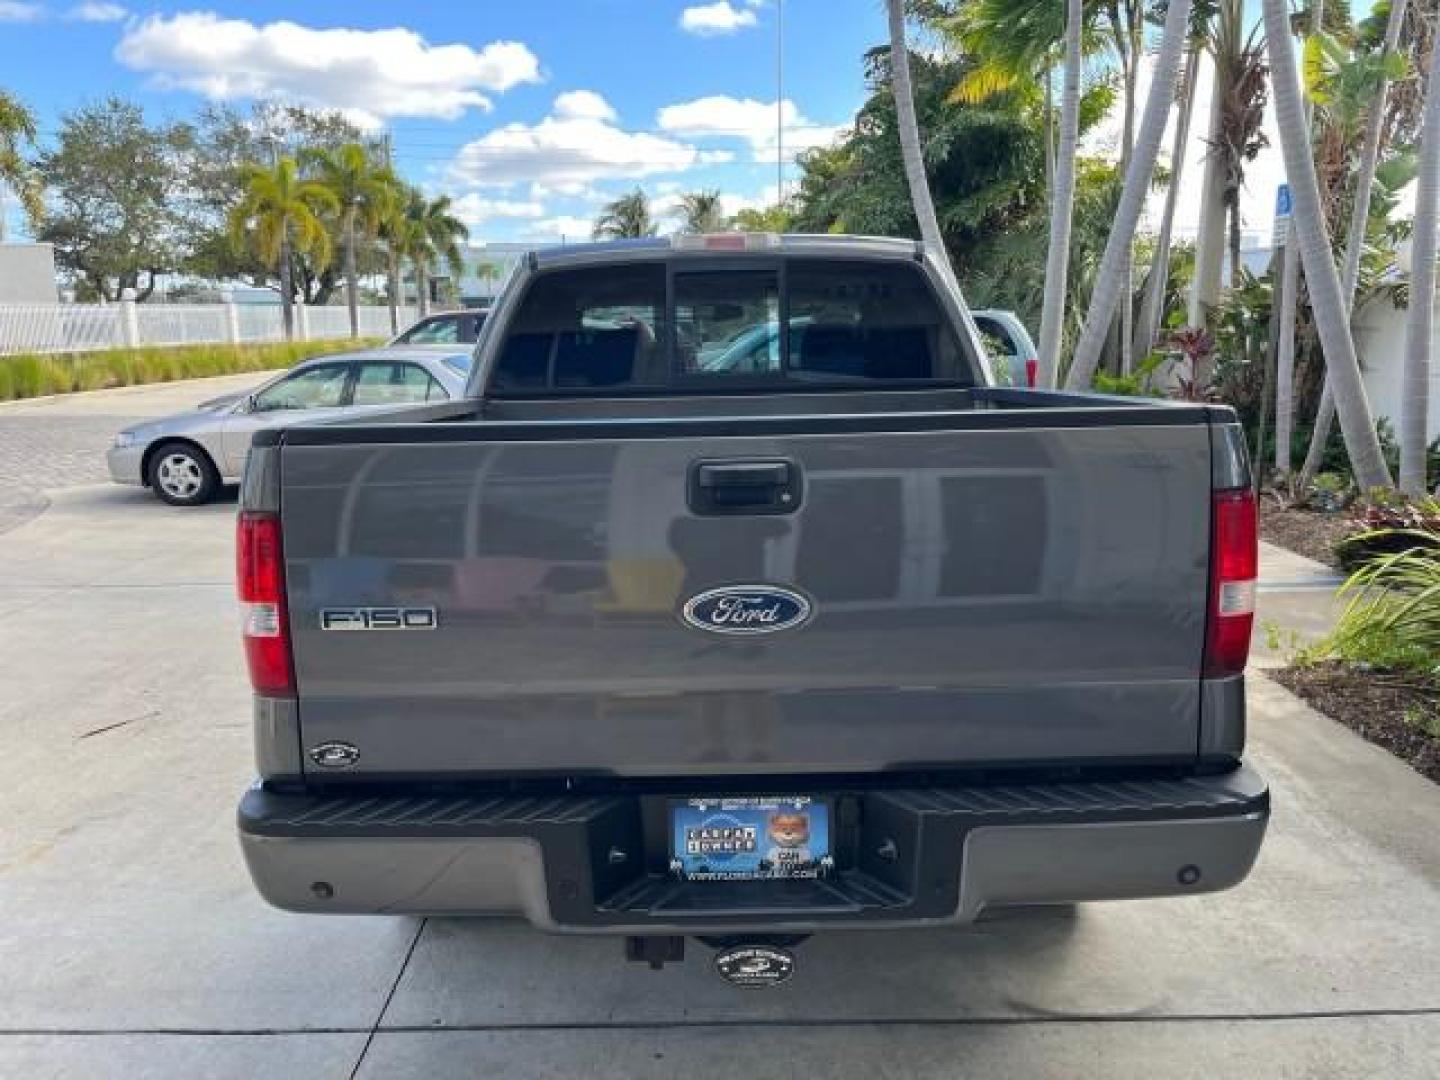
68	328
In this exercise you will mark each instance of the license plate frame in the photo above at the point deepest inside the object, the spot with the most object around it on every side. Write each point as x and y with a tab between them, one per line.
737	838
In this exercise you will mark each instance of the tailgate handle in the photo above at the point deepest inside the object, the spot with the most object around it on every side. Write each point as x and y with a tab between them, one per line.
745	487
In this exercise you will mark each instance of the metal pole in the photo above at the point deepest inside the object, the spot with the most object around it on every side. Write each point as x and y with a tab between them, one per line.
779	101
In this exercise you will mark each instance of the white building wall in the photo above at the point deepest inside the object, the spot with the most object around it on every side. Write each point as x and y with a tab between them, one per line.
1380	339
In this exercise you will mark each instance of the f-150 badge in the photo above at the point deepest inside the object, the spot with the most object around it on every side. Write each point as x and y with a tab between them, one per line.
747	609
378	618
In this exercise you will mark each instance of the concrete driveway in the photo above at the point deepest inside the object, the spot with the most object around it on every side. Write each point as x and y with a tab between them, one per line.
131	944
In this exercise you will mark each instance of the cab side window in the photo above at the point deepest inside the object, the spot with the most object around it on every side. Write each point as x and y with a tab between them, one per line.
596	328
320	387
395	384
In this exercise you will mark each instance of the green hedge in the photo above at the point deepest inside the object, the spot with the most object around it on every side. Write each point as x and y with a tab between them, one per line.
33	375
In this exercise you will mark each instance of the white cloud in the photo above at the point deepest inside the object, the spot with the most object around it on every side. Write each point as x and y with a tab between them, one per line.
475	209
566	149
17	11
746	120
364	73
722	17
97	11
566	226
583	105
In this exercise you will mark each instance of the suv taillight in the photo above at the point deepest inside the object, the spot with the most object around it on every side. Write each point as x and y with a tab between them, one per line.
1234	565
260	573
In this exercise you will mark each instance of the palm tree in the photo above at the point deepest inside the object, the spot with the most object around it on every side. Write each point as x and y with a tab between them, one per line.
910	152
627	217
1420	324
1326	297
17	128
487	272
1355	236
434	235
1152	307
279	214
363	189
1112	277
394	233
1236	107
1062	202
701	212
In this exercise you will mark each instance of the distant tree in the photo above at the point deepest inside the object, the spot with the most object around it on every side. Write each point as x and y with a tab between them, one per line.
627	216
701	212
777	218
364	187
281	213
433	236
17	130
223	143
487	271
114	216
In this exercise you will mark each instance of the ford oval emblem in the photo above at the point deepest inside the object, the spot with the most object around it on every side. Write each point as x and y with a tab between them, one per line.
747	609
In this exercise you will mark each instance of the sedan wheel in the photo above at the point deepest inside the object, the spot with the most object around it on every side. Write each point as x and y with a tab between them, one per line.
182	475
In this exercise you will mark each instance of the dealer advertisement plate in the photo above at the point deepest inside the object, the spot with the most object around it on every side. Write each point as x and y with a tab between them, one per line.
782	838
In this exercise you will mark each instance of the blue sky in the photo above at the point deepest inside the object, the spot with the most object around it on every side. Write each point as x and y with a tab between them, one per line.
531	112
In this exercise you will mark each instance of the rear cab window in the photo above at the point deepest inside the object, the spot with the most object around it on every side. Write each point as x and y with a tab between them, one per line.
723	324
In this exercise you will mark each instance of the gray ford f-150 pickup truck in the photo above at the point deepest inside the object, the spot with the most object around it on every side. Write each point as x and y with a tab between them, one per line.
735	602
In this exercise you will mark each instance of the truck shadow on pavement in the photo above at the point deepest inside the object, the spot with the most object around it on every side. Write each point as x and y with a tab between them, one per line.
501	973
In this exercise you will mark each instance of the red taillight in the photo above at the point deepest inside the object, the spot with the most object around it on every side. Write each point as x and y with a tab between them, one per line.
260	573
1234	565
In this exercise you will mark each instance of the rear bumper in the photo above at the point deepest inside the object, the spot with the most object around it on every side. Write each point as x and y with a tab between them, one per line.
907	856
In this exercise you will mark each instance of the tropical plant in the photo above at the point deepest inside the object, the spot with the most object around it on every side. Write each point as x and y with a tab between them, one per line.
433	235
279	213
908	129
1393	616
1327	301
364	189
17	130
627	217
701	212
487	272
1113	275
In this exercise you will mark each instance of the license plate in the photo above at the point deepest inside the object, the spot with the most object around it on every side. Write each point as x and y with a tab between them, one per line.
750	839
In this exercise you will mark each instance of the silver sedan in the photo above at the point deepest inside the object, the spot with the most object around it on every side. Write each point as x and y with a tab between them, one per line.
184	459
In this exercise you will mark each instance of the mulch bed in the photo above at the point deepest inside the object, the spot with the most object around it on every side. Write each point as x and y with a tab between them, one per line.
1305	532
1391	709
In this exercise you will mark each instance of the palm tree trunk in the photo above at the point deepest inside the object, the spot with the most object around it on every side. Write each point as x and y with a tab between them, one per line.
1047	83
1289	298
1420	325
393	291
1326	297
1210	239
287	284
352	276
1152	307
1355	236
1235	240
422	290
1110	279
1136	26
1062	205
909	130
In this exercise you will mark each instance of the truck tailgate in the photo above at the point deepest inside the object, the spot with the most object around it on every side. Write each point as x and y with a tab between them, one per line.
980	595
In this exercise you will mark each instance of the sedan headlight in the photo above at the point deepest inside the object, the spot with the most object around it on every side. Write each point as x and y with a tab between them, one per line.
124	439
